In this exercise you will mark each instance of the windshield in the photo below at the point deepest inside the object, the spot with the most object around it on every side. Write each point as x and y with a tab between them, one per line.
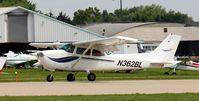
68	47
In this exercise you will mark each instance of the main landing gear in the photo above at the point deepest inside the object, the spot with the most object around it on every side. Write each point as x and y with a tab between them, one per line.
71	77
173	73
50	78
90	77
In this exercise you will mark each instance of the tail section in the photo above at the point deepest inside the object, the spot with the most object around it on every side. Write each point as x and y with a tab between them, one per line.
166	50
2	63
10	54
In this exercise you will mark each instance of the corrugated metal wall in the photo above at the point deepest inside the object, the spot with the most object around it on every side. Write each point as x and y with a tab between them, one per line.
17	26
2	28
31	35
50	30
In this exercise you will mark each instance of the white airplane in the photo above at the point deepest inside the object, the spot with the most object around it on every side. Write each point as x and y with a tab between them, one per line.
88	56
13	59
192	63
184	65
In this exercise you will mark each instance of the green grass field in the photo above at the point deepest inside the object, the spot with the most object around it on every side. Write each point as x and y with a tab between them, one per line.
130	97
39	75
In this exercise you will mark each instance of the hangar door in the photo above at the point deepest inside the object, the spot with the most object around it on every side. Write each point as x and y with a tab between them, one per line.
17	28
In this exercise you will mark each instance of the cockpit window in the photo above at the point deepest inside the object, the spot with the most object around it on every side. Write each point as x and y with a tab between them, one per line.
81	51
68	47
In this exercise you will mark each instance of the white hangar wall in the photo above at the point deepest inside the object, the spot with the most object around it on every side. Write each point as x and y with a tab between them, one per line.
2	28
38	28
31	28
51	30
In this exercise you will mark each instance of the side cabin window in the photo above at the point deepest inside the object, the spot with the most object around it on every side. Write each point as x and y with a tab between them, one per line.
81	51
97	53
68	47
94	52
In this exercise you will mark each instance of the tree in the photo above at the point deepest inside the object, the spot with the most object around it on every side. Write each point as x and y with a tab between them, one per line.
148	13
64	18
24	3
80	17
89	15
105	16
109	17
173	16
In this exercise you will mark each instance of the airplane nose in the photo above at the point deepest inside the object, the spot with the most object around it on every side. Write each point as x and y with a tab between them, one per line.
40	54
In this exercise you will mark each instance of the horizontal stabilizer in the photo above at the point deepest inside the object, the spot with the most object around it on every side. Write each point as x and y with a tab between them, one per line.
165	64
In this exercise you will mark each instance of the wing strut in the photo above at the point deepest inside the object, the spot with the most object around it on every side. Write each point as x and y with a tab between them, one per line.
82	55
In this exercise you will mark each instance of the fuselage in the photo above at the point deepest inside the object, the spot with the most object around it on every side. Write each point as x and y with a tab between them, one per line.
19	59
89	56
62	60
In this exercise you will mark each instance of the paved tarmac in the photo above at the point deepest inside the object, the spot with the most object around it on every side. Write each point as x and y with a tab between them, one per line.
98	87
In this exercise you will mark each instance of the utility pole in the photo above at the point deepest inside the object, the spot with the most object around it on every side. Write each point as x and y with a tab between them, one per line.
121	5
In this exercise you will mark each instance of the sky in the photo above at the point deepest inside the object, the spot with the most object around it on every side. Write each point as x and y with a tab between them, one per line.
190	7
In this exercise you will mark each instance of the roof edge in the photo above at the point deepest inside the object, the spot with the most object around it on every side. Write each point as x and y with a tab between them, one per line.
19	7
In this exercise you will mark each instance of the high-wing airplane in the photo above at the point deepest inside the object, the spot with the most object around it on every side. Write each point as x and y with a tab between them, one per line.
88	56
192	63
186	65
13	59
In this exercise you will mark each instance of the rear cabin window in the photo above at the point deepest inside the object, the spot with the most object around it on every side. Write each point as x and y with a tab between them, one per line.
97	53
68	47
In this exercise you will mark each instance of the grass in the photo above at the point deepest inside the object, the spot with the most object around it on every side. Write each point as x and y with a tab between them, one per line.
39	75
130	97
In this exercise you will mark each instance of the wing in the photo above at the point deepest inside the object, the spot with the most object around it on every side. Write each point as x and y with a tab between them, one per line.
106	44
21	59
46	45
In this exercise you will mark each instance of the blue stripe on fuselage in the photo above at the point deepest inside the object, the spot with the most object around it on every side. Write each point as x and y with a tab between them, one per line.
64	59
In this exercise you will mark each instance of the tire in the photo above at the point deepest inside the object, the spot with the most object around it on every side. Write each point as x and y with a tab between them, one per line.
91	77
174	73
71	77
166	73
128	71
50	78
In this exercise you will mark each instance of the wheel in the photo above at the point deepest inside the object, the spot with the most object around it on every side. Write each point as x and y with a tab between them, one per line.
71	77
174	73
128	71
91	77
49	78
166	73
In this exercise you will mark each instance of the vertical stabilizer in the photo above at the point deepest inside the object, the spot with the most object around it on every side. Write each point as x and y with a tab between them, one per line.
2	62
167	49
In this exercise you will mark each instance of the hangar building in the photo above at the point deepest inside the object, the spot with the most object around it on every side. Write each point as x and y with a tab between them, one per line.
20	26
152	34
